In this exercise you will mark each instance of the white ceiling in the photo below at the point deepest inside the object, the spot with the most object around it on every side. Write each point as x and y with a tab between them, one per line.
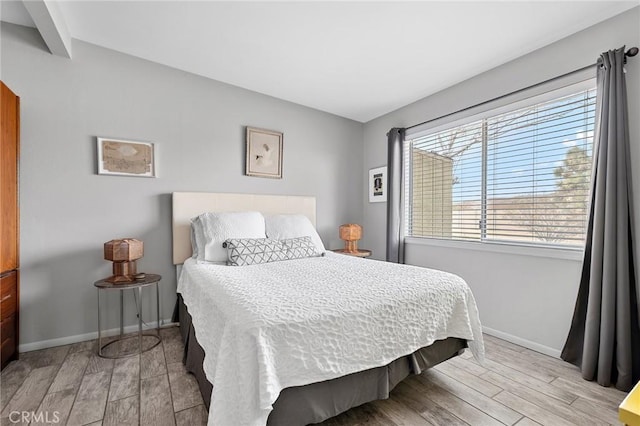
13	11
358	60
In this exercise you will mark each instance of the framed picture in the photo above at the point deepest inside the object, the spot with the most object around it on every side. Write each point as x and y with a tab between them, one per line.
264	153
378	185
126	158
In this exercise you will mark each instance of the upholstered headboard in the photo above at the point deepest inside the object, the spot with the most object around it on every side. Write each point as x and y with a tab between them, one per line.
187	205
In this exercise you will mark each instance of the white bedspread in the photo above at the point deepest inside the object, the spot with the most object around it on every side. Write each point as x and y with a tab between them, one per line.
271	326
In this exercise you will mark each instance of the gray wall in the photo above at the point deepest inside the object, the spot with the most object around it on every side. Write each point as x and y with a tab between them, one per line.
68	211
528	299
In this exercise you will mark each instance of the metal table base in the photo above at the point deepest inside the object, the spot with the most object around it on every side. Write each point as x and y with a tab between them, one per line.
134	286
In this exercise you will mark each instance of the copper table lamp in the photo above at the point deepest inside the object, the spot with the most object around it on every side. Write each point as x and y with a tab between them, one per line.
123	253
350	233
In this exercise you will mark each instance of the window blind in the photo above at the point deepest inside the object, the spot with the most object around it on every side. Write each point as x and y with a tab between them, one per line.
521	175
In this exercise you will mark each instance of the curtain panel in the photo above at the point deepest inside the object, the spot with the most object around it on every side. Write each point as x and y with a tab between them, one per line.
395	206
604	338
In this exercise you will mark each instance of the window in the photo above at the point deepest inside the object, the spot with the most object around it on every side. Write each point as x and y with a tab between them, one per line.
515	174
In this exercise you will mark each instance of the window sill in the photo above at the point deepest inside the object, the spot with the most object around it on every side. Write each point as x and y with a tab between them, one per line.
565	253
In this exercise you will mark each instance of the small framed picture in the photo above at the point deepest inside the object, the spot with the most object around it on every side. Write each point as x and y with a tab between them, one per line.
378	185
126	158
264	153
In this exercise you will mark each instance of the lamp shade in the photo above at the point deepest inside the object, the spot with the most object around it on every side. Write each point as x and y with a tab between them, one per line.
123	250
350	232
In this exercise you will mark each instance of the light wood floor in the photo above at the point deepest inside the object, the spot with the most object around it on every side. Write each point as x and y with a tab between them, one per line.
514	386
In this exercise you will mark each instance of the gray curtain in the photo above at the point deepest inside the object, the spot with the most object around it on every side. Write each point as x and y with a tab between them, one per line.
395	216
604	339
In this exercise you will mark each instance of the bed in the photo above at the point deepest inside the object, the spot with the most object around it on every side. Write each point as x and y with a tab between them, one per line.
302	340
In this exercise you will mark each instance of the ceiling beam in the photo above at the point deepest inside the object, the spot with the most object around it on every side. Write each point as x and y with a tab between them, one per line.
47	16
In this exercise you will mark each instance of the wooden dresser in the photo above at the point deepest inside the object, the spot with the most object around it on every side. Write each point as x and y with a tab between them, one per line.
9	223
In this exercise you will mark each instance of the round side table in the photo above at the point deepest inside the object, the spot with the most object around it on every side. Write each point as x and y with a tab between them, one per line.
357	253
148	280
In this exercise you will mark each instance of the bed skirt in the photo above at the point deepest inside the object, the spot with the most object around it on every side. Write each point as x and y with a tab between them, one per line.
316	402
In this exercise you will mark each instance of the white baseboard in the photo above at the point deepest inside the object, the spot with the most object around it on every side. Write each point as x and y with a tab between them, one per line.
523	342
60	341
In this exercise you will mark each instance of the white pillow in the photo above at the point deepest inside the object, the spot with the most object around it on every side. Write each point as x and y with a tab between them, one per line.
197	239
219	227
286	226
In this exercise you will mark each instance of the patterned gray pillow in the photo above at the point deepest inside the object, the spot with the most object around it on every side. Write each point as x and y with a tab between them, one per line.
252	251
300	247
